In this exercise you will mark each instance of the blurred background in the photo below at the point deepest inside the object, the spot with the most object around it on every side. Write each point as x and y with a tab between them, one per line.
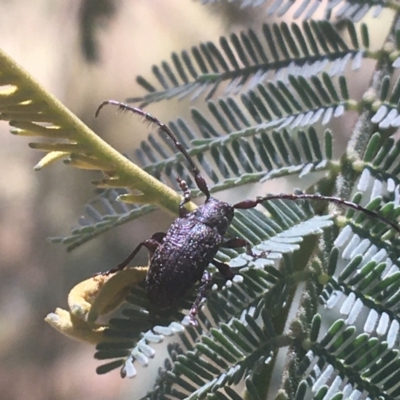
83	52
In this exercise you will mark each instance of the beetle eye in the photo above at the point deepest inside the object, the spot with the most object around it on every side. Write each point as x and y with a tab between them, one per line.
224	222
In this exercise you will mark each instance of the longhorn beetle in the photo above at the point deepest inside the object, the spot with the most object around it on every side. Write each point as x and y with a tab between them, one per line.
179	258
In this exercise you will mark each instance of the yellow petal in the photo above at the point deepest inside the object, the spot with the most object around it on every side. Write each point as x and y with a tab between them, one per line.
102	294
75	328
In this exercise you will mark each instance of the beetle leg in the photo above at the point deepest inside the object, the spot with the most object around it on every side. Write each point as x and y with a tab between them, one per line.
186	197
224	269
150	244
205	280
240	242
234	243
158	237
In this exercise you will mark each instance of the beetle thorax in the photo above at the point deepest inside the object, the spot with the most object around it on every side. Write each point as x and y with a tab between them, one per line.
215	214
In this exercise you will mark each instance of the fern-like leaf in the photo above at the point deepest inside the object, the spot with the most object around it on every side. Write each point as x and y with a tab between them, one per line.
251	58
344	9
239	142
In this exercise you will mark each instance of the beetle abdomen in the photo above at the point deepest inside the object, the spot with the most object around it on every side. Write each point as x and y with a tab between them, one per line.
179	262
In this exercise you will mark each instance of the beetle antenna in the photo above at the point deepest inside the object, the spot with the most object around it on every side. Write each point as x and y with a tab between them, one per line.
200	181
246	204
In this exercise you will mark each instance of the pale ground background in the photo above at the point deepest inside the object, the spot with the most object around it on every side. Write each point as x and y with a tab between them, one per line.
43	36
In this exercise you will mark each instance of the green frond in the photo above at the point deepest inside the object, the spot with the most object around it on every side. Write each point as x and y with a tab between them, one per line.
364	291
366	294
249	59
381	164
35	113
386	109
102	214
341	9
233	348
241	142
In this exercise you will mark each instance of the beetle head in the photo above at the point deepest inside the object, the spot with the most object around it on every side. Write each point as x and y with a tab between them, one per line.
215	214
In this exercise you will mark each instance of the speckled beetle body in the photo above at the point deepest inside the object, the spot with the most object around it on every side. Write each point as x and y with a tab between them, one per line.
187	249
